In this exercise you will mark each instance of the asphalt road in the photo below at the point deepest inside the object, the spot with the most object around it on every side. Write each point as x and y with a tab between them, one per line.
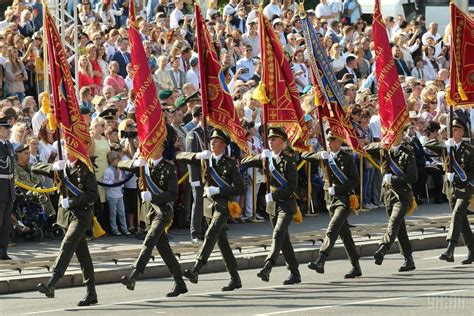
434	288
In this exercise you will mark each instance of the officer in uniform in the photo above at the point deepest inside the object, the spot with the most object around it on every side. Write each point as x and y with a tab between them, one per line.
223	183
459	188
399	173
75	214
343	179
7	184
281	204
161	191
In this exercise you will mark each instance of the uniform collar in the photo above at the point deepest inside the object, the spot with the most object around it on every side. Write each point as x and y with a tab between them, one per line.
217	158
335	154
156	162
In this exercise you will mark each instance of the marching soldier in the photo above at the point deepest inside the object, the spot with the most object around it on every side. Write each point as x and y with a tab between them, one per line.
344	178
399	172
281	204
75	216
459	187
162	189
224	183
7	193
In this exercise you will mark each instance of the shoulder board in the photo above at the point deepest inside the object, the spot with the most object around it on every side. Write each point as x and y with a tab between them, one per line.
228	158
169	162
407	147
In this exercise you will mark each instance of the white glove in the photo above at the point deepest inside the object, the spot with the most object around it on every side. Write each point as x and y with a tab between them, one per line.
325	155
146	196
450	176
450	142
269	197
59	165
332	190
210	191
65	203
266	153
204	155
388	178
140	162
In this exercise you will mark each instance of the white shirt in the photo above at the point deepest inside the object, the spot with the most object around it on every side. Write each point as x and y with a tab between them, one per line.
175	16
323	10
193	77
271	10
375	126
217	158
229	9
110	177
156	162
37	120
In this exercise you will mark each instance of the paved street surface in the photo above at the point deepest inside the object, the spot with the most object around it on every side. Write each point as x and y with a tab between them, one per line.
434	288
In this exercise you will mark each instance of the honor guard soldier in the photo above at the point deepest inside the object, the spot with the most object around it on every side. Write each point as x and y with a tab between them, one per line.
7	184
161	191
224	182
342	178
281	203
459	188
399	173
75	216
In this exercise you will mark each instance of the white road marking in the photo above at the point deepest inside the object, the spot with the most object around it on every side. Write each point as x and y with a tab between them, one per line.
362	302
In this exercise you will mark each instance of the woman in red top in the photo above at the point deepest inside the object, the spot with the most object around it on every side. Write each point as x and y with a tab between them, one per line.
86	75
96	69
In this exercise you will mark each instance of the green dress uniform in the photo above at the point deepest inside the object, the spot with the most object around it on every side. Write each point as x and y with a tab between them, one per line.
159	216
344	182
459	193
76	219
281	211
398	198
7	192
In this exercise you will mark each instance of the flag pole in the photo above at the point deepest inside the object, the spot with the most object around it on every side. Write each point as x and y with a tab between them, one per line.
361	176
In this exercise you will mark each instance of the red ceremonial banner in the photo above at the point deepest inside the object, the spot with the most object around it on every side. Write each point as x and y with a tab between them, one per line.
461	81
217	104
277	90
66	107
151	123
393	109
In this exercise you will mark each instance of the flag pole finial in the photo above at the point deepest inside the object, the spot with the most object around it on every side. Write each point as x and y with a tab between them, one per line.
301	11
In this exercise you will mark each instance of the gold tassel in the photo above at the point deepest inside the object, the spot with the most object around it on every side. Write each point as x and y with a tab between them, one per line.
354	204
317	101
471	204
234	209
260	94
167	227
45	103
51	121
97	230
298	216
461	91
412	207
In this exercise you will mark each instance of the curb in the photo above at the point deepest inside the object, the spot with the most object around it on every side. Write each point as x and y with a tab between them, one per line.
104	276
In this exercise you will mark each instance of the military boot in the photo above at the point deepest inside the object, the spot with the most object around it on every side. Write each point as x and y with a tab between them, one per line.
264	274
380	254
178	288
355	272
193	274
408	265
129	280
49	288
318	265
294	277
470	256
448	255
90	298
234	283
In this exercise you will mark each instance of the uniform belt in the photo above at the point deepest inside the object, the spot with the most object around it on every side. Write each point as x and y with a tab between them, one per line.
6	176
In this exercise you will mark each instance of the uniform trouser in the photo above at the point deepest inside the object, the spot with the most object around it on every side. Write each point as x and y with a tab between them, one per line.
281	239
397	209
376	183
338	226
459	221
5	222
75	242
156	237
216	232
197	228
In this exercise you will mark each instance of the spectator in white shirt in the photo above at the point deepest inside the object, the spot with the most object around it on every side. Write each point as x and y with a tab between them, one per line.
323	11
272	9
420	72
176	15
252	38
192	75
231	8
246	63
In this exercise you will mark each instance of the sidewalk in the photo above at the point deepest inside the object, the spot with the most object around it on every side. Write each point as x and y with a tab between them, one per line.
251	257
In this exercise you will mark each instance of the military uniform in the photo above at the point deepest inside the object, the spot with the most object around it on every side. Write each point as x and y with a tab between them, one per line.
398	198
459	193
159	215
281	210
7	191
76	219
216	210
339	208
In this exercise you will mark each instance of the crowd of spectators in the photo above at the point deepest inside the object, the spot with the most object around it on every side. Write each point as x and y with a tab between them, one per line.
106	98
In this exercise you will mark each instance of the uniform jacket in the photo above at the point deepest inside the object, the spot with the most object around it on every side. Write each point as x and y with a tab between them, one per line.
195	143
7	191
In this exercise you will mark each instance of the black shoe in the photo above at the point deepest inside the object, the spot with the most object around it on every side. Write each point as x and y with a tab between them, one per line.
233	285
264	274
191	275
5	257
448	255
354	273
318	265
129	282
380	254
89	299
469	259
408	265
46	290
178	288
294	278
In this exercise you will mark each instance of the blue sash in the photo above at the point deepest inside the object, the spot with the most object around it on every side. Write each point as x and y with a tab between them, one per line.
394	167
277	175
336	171
71	186
460	172
221	183
151	185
